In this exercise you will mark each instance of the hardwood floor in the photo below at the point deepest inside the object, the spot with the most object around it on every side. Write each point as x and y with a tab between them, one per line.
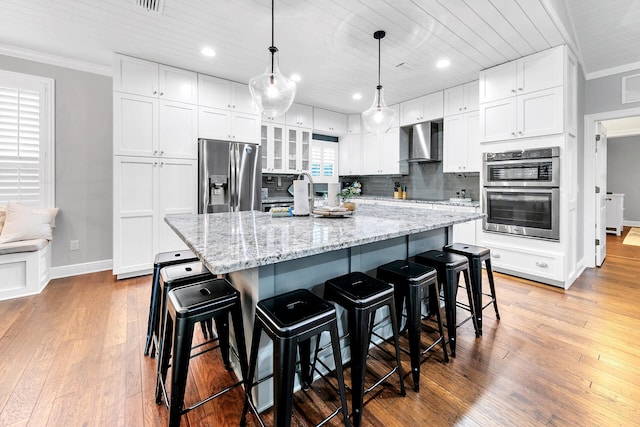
72	356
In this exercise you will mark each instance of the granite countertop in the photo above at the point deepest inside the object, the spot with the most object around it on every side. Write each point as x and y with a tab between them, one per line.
234	241
472	203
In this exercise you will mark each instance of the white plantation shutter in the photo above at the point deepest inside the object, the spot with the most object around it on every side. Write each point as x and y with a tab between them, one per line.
26	163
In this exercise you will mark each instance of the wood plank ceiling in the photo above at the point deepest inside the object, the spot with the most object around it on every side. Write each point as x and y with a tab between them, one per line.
328	42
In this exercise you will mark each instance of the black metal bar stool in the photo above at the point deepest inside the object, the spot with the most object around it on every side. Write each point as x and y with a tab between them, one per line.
291	320
449	267
476	255
163	259
176	276
188	305
412	283
361	296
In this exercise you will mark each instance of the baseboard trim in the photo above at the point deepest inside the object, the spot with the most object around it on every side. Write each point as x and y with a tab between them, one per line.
631	223
77	269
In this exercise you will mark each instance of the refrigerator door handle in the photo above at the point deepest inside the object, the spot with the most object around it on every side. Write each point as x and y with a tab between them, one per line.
233	177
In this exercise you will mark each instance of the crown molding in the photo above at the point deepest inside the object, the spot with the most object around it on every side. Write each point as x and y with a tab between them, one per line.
613	70
59	61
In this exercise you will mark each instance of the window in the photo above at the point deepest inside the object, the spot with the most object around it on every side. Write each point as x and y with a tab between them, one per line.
324	161
26	139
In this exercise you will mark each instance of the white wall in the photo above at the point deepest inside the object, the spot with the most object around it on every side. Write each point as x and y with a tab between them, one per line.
84	194
622	173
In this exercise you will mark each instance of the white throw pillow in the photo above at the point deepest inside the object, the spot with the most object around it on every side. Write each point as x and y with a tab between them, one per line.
25	223
3	216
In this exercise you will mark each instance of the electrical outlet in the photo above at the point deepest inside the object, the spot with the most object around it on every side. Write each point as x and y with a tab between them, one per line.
73	245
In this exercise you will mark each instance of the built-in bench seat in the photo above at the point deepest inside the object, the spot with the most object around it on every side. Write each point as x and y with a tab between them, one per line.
24	267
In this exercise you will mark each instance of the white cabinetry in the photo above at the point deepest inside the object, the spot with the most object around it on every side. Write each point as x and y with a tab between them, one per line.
329	122
215	92
354	126
298	149
422	109
523	98
615	208
461	99
272	140
214	123
300	115
533	114
381	154
226	111
146	126
461	145
145	190
350	158
324	156
140	77
465	232
535	72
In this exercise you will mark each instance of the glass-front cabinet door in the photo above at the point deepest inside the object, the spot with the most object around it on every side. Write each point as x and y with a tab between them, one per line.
272	141
306	150
293	144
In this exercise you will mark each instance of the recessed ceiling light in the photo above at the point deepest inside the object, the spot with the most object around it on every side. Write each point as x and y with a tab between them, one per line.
296	77
207	51
443	63
357	96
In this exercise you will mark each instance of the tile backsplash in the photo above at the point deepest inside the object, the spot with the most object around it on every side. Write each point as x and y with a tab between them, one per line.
425	181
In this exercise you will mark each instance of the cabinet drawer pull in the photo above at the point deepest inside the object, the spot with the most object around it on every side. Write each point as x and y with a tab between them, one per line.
542	264
495	255
513	91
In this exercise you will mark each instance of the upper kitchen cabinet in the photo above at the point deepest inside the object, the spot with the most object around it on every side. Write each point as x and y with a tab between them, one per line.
422	109
140	77
273	148
300	115
461	145
529	97
149	127
350	155
535	72
215	123
224	94
354	126
461	99
329	122
385	154
298	149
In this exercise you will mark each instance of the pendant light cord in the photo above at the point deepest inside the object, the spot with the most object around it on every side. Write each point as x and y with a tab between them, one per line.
273	48
379	85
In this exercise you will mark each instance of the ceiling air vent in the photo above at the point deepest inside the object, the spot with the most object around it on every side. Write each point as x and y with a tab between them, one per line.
156	6
405	66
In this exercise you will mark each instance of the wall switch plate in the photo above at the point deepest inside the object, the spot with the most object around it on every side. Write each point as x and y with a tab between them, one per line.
73	245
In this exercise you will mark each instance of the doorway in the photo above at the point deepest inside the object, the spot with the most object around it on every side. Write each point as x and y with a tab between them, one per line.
593	178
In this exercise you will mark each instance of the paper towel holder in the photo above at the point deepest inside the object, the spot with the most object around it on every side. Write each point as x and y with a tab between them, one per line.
311	193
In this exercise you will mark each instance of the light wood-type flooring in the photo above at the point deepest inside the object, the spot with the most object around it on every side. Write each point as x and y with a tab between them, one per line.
72	356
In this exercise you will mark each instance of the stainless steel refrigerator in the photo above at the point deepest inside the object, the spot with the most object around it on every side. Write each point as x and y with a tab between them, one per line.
229	176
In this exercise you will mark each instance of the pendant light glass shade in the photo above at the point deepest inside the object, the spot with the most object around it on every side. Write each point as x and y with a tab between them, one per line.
272	91
378	118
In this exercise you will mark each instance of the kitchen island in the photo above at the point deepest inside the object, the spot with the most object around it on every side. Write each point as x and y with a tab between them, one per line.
266	256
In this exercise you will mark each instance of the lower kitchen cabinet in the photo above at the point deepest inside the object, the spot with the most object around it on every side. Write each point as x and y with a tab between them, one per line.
541	266
147	189
465	232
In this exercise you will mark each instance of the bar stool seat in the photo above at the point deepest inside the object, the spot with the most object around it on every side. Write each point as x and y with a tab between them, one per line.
476	255
449	267
188	305
290	320
163	259
178	275
413	282
361	296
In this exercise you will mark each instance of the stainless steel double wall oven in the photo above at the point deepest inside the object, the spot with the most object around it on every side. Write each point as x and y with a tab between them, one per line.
521	192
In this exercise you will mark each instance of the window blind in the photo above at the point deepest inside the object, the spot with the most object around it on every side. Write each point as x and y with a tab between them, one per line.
21	167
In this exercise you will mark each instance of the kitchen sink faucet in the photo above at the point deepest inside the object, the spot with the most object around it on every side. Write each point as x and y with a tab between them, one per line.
311	194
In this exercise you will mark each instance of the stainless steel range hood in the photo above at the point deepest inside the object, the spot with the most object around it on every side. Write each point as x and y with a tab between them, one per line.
425	142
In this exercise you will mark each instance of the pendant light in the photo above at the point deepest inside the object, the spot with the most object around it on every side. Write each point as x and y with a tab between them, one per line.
272	91
378	118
